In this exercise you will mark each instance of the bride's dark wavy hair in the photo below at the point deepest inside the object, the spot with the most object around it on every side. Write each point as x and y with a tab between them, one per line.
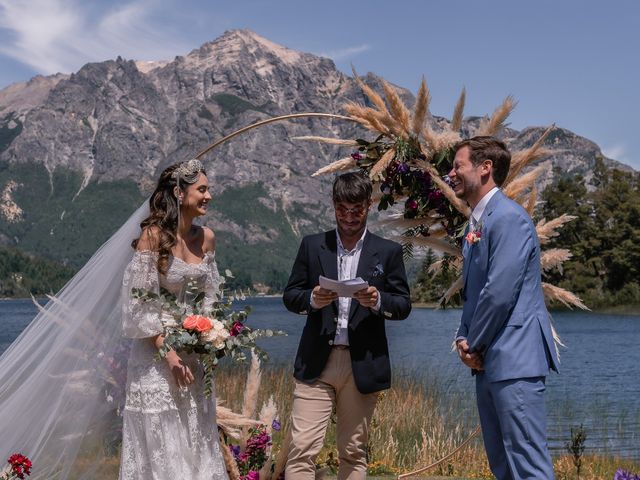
164	208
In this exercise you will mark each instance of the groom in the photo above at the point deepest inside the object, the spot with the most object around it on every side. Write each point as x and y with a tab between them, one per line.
343	358
505	334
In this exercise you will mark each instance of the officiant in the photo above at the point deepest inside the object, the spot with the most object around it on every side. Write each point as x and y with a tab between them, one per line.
343	356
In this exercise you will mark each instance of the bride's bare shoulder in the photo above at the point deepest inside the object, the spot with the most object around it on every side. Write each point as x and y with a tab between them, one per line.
149	239
209	242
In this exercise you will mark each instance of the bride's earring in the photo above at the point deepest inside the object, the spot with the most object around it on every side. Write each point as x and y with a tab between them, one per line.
179	199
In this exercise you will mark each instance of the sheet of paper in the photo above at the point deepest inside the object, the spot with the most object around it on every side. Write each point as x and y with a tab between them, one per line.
344	288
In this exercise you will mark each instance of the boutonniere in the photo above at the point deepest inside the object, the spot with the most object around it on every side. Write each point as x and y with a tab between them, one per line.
475	235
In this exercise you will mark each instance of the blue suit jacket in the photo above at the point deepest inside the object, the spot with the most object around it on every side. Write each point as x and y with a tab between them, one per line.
504	317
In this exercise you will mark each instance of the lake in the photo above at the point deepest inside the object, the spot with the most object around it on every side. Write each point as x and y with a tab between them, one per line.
598	385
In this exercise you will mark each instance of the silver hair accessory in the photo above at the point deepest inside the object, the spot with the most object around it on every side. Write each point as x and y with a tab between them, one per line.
187	169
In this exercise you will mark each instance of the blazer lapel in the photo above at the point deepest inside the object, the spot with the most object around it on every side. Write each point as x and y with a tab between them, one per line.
328	255
493	202
465	253
366	264
491	206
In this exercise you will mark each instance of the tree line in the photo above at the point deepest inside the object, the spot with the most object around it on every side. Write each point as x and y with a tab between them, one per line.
604	239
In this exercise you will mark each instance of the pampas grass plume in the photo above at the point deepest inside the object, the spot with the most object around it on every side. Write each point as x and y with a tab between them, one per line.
456	120
343	164
547	230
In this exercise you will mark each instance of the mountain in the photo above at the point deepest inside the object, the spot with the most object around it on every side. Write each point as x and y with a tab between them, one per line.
79	152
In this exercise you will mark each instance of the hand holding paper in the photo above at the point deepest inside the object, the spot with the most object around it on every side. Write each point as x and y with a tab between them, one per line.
344	288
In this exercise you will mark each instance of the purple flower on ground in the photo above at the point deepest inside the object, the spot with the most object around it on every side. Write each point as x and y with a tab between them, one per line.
235	450
356	156
252	475
258	442
403	168
624	475
276	425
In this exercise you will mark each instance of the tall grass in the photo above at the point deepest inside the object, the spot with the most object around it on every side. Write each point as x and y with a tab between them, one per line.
417	422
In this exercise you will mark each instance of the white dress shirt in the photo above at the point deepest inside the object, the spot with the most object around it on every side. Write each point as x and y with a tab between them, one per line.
477	212
348	261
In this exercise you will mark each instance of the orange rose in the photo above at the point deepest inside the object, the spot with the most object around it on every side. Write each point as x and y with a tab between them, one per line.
190	322
198	323
204	324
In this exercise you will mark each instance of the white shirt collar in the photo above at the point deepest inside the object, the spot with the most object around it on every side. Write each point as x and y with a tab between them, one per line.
482	204
358	244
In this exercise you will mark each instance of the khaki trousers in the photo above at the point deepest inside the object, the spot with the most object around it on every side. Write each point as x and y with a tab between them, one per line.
312	407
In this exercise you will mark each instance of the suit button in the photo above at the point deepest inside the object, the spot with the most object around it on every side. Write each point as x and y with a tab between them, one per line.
331	342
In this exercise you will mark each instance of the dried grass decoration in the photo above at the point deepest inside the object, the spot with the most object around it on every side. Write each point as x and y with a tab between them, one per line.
409	160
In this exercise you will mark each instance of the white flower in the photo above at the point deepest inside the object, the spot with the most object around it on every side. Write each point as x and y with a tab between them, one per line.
217	335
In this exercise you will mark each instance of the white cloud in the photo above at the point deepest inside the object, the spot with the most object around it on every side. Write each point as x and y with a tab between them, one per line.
346	53
61	35
619	152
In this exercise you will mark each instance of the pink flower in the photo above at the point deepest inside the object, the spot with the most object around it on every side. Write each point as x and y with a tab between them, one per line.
236	329
473	237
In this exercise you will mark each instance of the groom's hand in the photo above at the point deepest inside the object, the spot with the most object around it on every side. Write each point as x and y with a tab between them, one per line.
321	297
471	360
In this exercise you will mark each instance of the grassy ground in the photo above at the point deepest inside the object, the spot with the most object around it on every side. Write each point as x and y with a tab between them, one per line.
416	423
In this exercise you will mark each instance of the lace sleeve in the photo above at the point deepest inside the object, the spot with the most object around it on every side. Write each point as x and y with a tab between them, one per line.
141	318
213	282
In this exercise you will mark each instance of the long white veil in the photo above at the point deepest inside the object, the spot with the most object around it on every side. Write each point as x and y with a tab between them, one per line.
62	379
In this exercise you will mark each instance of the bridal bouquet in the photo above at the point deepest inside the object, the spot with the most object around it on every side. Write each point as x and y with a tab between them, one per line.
213	332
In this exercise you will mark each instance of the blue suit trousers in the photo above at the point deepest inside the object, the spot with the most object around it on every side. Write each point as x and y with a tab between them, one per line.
513	420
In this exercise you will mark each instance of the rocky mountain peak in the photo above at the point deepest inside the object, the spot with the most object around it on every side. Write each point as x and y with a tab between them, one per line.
95	141
237	47
21	97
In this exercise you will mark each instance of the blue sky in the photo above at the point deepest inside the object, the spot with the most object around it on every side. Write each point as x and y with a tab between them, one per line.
572	62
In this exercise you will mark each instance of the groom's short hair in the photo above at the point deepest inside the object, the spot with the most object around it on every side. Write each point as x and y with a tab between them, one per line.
489	148
352	187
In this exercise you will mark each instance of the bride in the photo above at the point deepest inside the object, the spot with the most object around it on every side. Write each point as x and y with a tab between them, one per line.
61	380
169	427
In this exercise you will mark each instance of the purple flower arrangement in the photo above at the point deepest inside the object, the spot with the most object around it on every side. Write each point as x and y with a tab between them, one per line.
256	453
625	475
404	178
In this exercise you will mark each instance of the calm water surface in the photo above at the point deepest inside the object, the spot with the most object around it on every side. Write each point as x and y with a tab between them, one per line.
598	386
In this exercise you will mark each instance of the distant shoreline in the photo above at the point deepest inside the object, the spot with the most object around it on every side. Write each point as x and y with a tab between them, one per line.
631	310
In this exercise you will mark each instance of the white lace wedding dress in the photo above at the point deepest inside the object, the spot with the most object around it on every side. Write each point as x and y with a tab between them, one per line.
169	433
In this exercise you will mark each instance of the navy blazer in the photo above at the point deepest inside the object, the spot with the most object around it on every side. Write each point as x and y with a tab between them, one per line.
504	317
381	265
